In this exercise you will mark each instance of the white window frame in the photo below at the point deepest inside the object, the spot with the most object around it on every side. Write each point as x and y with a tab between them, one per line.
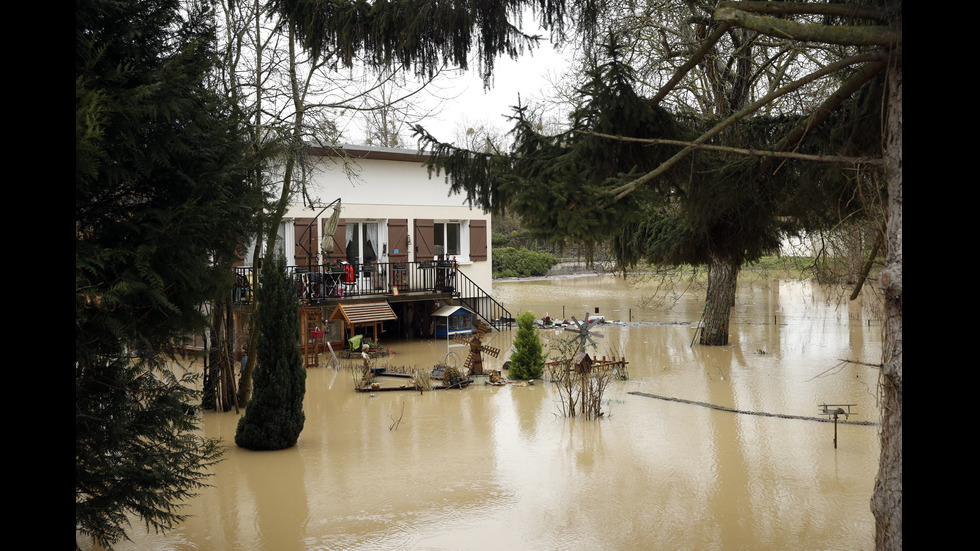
285	244
382	236
463	256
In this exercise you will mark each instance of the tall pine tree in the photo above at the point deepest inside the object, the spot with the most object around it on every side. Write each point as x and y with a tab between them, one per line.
159	195
274	417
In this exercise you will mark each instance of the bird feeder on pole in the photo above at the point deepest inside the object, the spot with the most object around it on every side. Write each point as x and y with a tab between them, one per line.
836	410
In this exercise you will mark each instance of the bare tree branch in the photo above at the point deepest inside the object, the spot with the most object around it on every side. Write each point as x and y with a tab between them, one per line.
626	189
853	35
741	150
806	8
692	62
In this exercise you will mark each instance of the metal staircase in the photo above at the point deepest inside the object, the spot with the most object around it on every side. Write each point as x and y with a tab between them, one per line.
467	293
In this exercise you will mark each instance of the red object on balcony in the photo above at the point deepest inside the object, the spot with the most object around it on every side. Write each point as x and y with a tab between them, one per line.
316	334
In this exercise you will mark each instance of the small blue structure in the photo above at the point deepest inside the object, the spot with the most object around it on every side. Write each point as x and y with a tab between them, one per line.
453	320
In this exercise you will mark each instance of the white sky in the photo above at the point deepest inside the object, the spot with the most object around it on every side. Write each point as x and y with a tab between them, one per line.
459	101
529	77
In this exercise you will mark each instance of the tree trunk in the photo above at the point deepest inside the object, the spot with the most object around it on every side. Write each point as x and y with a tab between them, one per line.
298	95
230	353
886	503
722	280
219	385
251	347
209	394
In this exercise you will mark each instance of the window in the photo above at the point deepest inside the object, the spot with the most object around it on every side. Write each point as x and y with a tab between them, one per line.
447	236
362	242
464	241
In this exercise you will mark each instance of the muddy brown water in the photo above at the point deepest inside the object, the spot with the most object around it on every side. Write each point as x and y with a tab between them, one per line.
500	468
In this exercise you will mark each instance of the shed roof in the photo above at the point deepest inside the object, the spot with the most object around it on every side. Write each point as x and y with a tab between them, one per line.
447	311
364	313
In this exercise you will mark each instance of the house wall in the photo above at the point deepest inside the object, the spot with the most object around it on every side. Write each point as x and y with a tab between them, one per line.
392	189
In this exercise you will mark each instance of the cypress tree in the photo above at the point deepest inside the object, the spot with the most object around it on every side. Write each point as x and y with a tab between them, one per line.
527	361
274	417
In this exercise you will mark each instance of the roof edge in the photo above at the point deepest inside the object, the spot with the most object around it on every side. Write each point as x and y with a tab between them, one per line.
372	152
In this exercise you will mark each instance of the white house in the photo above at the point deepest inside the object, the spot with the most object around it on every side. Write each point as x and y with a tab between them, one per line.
401	236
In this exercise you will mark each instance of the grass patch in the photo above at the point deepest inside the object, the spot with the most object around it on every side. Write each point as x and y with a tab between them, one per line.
777	267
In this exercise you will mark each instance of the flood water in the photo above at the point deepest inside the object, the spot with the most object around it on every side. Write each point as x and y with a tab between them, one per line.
500	468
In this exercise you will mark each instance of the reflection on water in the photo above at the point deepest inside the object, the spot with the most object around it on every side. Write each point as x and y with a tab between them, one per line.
498	467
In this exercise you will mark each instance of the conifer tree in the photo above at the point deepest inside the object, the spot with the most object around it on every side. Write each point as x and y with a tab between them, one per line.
527	361
159	198
274	416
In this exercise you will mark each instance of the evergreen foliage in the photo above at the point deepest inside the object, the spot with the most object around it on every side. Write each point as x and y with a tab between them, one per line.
423	35
707	207
159	194
274	416
511	262
136	447
561	186
527	361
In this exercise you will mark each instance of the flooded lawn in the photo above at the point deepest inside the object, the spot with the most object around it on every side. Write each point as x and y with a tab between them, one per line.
500	468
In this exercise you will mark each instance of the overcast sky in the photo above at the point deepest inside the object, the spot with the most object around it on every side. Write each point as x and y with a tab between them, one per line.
459	101
530	76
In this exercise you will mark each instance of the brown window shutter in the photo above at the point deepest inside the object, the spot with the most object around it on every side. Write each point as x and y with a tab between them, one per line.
339	244
307	244
478	240
398	240
424	236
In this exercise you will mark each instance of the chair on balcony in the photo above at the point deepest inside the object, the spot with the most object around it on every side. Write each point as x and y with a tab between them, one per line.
349	279
333	282
314	286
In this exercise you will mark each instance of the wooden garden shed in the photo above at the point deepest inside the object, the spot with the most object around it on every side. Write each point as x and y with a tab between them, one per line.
361	315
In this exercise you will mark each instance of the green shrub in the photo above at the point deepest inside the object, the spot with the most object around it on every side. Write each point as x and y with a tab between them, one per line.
274	417
527	361
510	262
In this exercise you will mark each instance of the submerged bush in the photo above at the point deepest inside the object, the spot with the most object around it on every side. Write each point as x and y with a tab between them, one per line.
510	262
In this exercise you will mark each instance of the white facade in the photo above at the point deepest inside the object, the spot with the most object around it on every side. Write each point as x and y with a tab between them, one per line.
391	211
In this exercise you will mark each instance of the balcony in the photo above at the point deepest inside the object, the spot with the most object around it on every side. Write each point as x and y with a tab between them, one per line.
324	284
332	284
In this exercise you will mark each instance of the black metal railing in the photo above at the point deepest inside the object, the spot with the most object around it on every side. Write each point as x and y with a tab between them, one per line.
321	284
472	296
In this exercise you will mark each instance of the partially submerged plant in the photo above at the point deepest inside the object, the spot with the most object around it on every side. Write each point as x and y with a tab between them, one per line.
453	376
580	385
422	380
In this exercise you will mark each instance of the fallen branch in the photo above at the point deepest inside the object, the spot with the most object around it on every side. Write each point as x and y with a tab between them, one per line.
740	150
761	413
876	366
